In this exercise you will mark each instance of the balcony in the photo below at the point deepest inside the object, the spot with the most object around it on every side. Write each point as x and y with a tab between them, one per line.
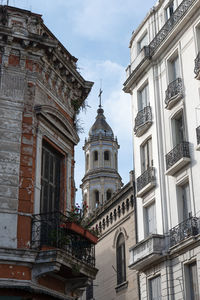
143	121
146	252
184	230
173	93
146	182
165	35
143	54
197	66
62	250
198	138
177	158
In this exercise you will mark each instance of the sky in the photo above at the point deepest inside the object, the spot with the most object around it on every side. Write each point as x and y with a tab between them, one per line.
97	32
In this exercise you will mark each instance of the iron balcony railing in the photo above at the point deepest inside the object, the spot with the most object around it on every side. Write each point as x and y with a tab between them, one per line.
143	117
163	33
147	177
198	135
187	228
197	64
181	150
49	230
174	88
169	25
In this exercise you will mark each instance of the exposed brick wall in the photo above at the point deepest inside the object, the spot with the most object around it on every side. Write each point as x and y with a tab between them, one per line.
15	272
27	171
52	283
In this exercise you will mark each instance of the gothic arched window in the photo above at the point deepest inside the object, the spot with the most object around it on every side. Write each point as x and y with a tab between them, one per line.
121	260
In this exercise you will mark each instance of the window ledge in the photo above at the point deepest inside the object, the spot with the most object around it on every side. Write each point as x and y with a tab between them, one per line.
121	286
146	188
178	166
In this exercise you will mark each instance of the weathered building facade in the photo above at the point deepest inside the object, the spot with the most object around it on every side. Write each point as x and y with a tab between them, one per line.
163	80
41	92
111	208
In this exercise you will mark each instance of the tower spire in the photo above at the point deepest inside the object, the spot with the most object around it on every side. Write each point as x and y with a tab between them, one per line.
100	92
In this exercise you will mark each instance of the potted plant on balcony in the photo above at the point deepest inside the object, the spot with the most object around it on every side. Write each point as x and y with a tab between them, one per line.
77	222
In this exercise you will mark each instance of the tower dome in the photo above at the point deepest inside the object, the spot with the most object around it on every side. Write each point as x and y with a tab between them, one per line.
100	126
101	179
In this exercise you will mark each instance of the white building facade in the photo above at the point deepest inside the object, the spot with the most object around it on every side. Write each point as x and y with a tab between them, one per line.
163	80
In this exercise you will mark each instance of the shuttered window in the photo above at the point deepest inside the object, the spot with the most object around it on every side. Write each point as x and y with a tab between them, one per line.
50	179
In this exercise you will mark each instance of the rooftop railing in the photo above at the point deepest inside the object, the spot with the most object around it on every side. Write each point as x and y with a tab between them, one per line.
169	25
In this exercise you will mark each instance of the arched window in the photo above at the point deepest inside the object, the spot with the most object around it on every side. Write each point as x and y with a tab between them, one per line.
106	155
87	162
115	214
108	194
95	155
121	261
96	196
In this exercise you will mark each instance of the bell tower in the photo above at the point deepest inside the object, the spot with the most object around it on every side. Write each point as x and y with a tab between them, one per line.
101	177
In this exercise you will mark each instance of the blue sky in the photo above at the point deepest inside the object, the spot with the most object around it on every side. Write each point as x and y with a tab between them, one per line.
97	32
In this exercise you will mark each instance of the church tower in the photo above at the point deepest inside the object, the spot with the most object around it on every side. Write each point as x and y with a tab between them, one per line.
101	178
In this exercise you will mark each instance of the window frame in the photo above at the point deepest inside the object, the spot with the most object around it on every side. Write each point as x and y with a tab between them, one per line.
182	214
150	280
143	99
142	42
168	12
146	155
176	130
121	259
61	178
146	217
106	155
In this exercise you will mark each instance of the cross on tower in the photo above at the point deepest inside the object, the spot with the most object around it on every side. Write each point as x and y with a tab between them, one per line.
100	92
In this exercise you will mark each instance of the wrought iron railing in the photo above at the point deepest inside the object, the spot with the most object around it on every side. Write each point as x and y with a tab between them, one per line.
143	117
147	177
198	135
164	32
50	230
197	64
182	231
169	25
174	88
181	150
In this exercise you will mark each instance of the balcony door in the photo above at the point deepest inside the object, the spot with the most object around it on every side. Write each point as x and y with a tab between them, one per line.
143	98
185	205
50	179
178	129
146	155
